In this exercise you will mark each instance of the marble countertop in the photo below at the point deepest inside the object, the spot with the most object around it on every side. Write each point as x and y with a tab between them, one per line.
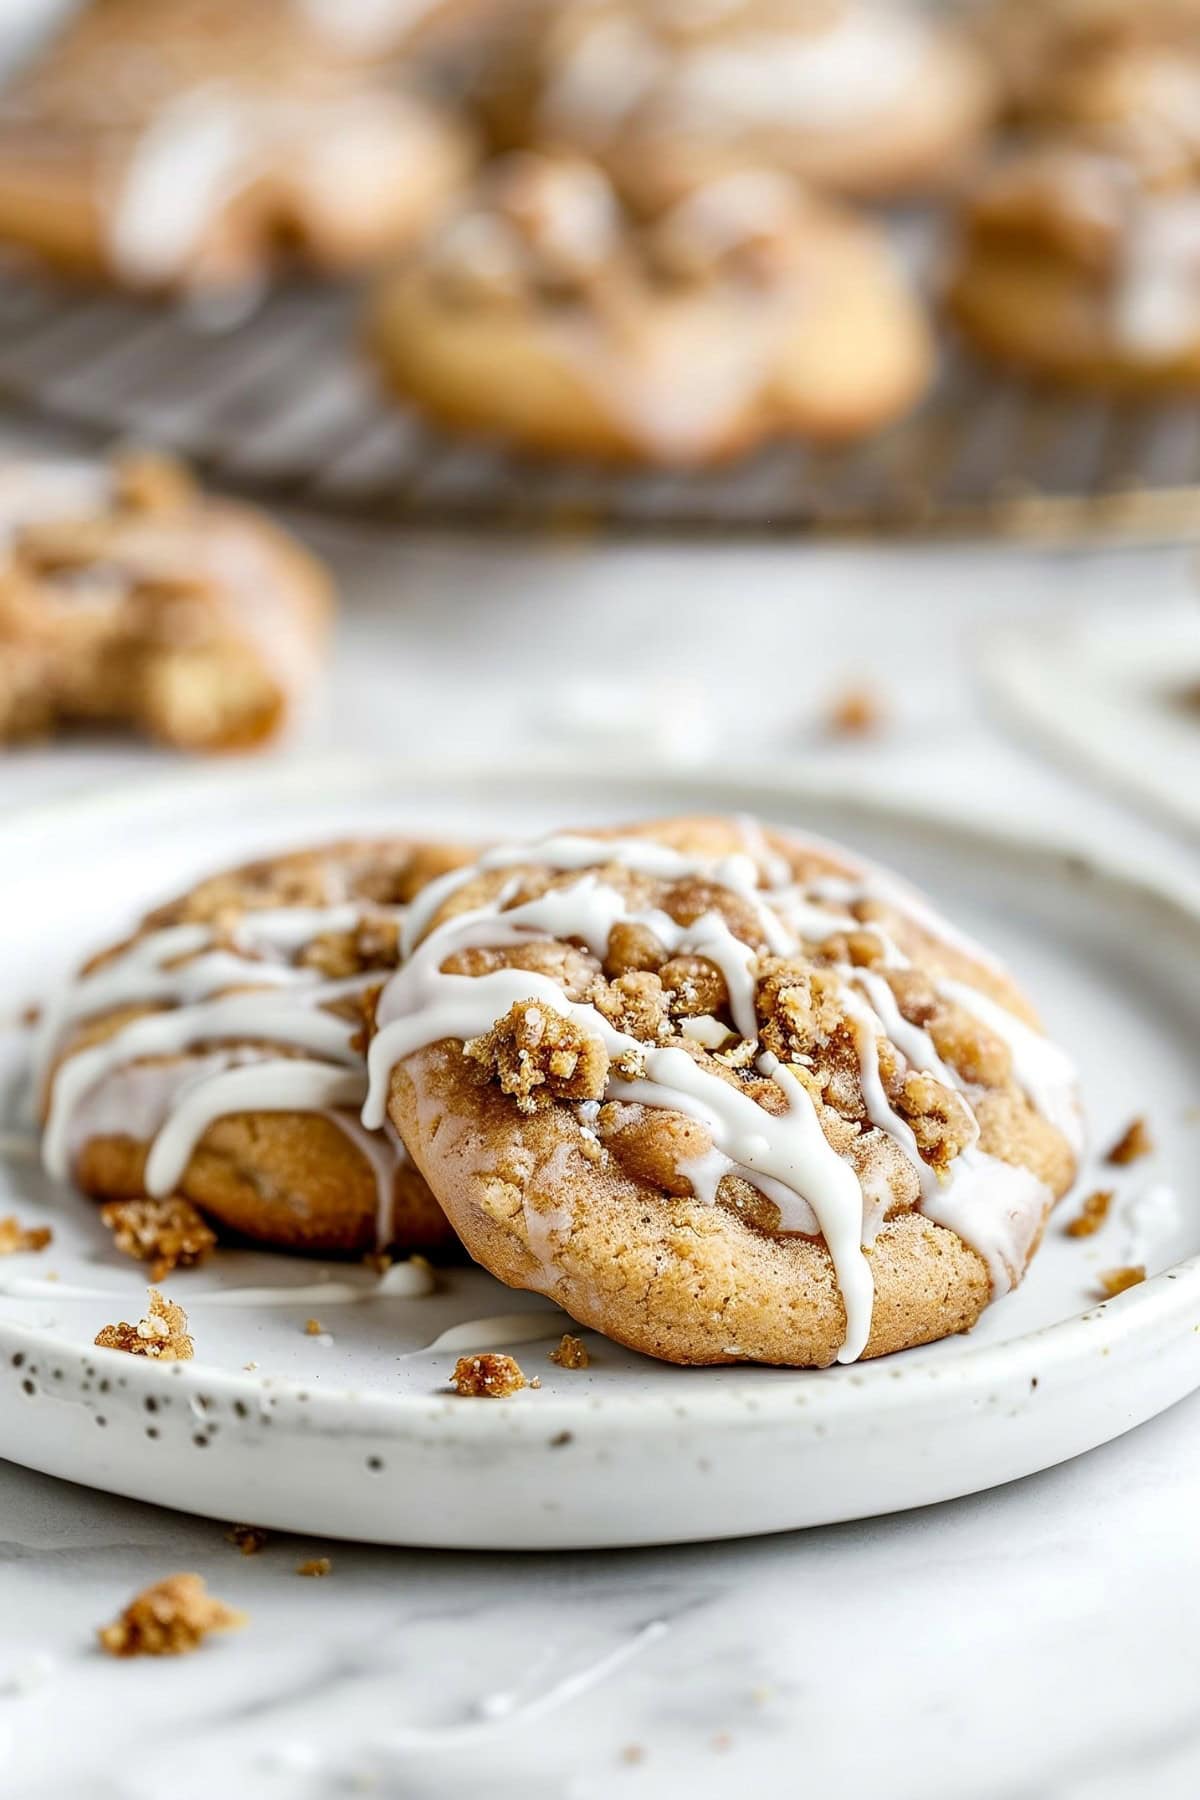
1036	1643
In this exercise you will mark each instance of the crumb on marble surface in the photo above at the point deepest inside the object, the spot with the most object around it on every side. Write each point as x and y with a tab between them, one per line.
162	1334
250	1539
1091	1214
858	710
17	1239
171	1618
168	1233
315	1566
489	1376
1115	1281
571	1353
1134	1142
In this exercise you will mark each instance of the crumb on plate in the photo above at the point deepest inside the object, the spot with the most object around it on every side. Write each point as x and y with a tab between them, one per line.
315	1566
16	1239
1134	1141
171	1618
1115	1281
489	1376
162	1334
1091	1214
858	710
168	1234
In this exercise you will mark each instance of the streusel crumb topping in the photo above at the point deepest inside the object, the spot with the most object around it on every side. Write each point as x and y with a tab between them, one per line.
488	1377
162	1334
17	1239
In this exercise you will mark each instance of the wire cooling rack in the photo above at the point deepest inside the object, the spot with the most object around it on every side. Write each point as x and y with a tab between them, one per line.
282	405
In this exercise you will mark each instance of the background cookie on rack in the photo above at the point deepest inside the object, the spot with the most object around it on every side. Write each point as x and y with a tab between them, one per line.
873	100
545	314
170	144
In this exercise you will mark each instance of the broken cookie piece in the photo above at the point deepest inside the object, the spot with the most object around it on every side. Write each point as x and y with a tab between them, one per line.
168	1234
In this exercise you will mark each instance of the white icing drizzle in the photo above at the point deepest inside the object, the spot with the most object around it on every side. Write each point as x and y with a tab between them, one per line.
44	492
223	1046
1040	1068
994	1206
505	1328
1156	306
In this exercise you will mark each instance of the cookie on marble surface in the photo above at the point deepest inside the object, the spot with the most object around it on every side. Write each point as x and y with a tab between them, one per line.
723	1093
871	100
200	144
1074	268
128	597
544	314
218	1054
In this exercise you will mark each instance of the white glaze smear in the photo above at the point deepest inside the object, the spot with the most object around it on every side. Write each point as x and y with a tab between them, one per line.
994	1206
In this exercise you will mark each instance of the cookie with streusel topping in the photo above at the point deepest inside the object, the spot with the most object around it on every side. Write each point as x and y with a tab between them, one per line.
545	314
130	598
1080	268
723	1093
218	1054
203	144
869	100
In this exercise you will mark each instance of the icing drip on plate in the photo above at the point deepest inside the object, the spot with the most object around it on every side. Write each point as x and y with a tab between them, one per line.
269	1047
996	1207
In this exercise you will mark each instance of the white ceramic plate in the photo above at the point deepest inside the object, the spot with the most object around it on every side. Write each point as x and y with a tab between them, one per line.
357	1436
1110	691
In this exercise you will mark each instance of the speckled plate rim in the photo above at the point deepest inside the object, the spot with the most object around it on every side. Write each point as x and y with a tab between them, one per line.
1153	1314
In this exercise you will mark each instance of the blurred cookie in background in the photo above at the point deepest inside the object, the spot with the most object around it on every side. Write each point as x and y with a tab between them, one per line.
199	144
129	599
1120	78
1074	267
872	100
545	314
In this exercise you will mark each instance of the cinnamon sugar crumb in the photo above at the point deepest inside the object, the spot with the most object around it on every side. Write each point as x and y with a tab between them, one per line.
858	710
314	1328
571	1353
1135	1141
316	1566
489	1377
1091	1215
162	1334
168	1234
250	1539
1115	1281
17	1239
171	1618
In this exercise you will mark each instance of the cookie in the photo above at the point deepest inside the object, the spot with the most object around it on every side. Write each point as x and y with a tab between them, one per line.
1074	268
127	597
1118	78
546	315
200	144
871	100
724	1094
218	1054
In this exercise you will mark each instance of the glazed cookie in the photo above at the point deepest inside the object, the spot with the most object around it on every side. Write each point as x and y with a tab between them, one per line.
726	1095
872	100
217	1054
1074	268
128	597
546	315
1119	78
173	144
